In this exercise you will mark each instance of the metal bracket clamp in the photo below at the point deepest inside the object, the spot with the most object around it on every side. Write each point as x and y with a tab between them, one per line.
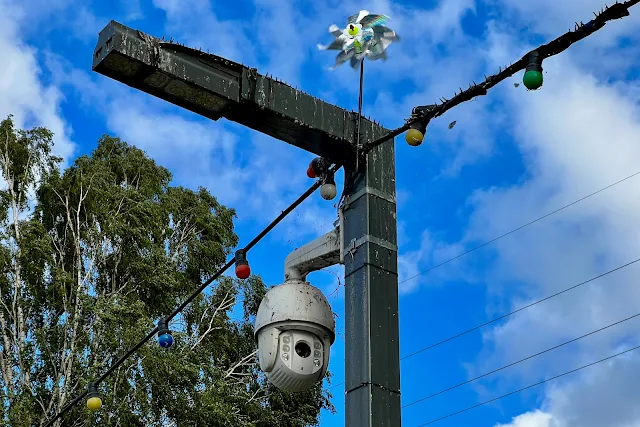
367	190
353	246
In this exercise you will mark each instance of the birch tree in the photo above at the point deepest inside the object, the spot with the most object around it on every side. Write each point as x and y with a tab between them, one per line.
91	257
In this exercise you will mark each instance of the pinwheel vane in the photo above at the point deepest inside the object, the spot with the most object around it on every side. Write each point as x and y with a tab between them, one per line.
365	36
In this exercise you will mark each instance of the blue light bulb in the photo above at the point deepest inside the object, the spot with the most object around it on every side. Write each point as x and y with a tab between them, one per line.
165	340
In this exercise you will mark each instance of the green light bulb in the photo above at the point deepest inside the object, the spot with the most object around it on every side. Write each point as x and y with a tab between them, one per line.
532	79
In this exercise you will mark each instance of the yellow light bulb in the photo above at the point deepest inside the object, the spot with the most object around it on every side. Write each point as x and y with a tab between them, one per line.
414	137
94	403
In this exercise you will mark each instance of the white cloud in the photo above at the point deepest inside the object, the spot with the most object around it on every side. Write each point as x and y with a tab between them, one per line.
551	17
259	176
605	396
431	252
576	135
279	22
531	419
22	91
256	174
196	25
37	19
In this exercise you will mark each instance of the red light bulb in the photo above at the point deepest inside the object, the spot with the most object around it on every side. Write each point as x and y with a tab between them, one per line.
311	173
243	271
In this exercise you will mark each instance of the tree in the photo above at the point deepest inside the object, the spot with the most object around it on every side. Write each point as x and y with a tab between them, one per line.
91	257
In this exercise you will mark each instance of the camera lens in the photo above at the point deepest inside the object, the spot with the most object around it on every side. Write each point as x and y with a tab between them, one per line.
302	349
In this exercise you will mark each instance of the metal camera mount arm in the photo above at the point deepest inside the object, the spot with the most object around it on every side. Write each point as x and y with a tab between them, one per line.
322	252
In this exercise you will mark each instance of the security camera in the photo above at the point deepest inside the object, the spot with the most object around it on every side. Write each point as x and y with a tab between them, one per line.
294	331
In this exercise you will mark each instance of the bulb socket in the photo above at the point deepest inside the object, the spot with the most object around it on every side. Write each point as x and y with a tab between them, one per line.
419	127
163	327
535	62
328	179
92	391
318	167
241	257
242	265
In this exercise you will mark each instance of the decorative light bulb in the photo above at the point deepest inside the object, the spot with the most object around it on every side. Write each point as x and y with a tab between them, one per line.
165	339
533	78
243	270
94	402
311	173
414	137
328	191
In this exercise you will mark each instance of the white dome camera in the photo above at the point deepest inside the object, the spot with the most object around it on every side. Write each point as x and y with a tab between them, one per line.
294	330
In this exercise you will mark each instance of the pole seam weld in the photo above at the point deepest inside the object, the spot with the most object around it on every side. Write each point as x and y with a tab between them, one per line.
365	384
368	190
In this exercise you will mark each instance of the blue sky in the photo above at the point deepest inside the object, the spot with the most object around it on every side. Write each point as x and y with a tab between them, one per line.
513	156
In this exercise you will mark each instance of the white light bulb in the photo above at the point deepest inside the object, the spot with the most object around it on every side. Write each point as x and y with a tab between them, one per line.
328	191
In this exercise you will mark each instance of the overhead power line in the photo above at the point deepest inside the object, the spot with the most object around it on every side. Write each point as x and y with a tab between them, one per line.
504	316
187	301
520	361
518	228
494	240
424	114
521	308
528	387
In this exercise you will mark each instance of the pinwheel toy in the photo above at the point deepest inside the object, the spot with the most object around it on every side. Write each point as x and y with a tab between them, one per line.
365	36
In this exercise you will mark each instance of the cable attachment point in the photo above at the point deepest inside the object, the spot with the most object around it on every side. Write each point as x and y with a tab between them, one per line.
318	167
533	78
94	402
165	339
420	117
321	168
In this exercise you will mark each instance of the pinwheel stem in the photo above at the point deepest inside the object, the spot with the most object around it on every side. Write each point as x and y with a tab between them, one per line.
360	103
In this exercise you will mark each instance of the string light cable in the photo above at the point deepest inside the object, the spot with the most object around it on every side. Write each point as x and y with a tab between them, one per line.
529	386
531	62
504	316
520	361
242	271
419	119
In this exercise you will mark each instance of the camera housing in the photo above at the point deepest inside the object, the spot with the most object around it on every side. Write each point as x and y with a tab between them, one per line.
294	331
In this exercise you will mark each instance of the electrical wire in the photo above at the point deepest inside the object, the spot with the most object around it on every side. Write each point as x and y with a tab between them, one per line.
510	313
188	300
519	361
560	44
491	241
616	11
528	387
518	228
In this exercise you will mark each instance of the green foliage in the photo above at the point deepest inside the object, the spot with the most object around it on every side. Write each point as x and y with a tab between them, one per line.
90	262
